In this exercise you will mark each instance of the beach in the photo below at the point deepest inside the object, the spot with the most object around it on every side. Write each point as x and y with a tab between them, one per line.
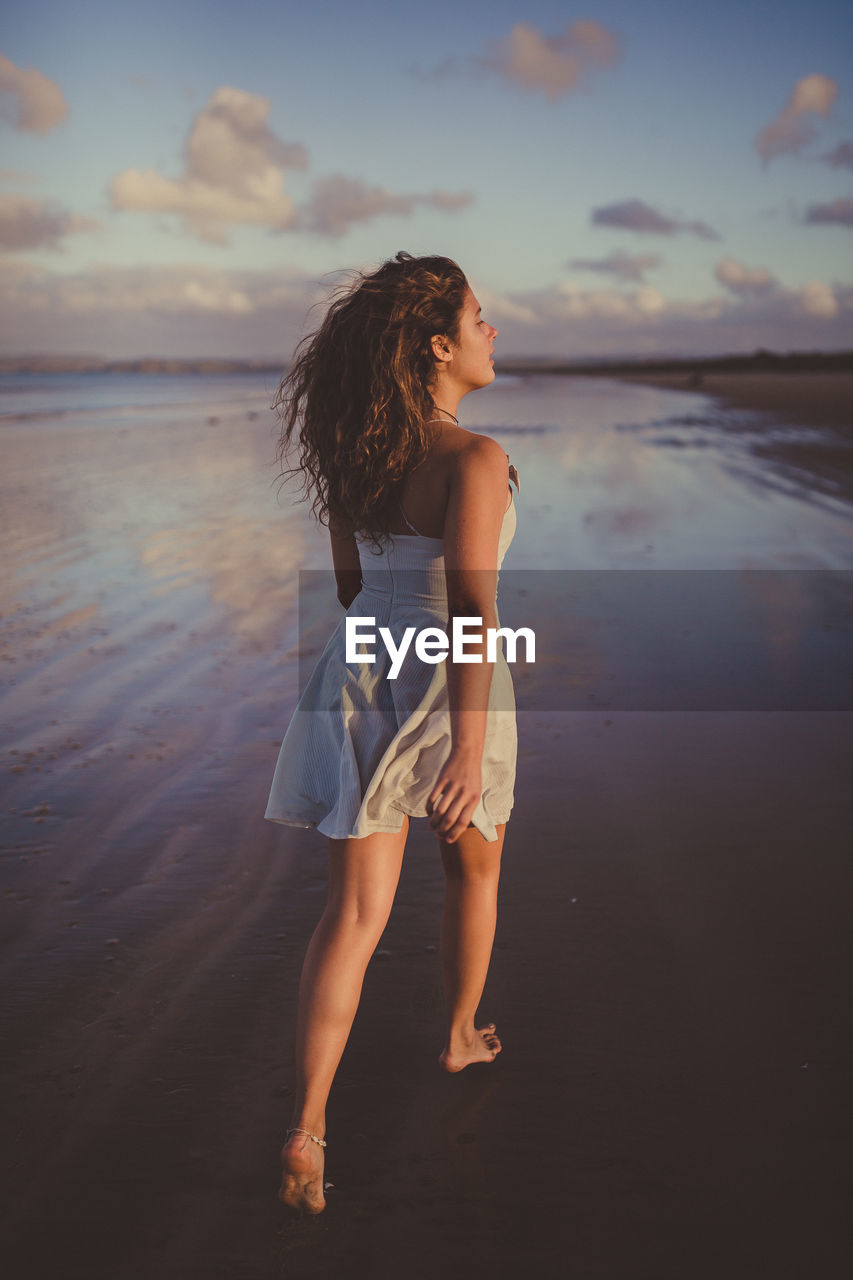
810	399
671	971
821	404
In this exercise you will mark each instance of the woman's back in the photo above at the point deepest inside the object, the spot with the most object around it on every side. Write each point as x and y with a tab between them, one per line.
425	492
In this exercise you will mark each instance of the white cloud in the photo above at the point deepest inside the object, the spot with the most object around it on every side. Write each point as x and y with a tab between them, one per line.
234	167
792	130
739	279
553	65
571	299
649	301
233	172
575	323
192	311
36	102
818	299
174	310
26	223
498	307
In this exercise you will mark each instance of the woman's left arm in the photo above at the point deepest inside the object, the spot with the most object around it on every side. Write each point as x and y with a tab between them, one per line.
346	562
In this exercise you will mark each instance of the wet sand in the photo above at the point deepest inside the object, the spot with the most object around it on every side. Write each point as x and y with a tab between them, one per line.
820	402
670	979
811	399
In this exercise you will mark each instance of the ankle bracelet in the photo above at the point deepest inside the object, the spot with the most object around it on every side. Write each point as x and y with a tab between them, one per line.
320	1141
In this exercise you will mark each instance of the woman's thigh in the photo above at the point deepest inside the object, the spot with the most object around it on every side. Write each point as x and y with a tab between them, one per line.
472	855
363	874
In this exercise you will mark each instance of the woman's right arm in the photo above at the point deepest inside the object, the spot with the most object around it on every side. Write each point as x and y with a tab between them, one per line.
475	510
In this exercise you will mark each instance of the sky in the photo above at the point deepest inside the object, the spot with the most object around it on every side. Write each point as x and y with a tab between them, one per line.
187	179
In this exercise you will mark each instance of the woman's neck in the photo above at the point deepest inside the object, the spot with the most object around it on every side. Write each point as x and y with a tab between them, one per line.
443	414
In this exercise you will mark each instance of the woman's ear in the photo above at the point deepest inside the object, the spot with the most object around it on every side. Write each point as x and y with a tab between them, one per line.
441	348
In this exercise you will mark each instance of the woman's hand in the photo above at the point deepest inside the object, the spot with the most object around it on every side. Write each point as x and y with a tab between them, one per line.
456	794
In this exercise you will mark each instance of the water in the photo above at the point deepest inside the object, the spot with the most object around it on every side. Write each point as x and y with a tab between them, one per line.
108	396
151	554
613	475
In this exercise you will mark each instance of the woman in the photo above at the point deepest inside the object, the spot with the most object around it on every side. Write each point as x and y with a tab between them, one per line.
419	523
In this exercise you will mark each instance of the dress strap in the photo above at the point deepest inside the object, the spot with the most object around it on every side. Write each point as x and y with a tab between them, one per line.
513	475
408	522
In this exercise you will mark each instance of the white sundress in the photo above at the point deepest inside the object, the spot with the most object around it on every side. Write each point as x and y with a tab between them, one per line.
362	750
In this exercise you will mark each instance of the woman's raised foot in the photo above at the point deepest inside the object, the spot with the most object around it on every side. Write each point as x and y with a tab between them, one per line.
481	1045
302	1166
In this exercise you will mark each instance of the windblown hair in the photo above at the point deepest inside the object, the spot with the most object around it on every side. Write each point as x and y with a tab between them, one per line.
359	393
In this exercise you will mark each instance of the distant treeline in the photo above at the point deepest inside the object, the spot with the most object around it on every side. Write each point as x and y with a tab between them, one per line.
758	361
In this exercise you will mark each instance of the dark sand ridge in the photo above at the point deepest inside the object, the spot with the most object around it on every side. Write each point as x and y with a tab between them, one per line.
670	979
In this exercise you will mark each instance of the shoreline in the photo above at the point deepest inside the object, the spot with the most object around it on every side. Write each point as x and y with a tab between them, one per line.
817	404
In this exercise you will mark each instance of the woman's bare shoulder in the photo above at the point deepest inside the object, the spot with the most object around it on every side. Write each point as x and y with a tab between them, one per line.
476	453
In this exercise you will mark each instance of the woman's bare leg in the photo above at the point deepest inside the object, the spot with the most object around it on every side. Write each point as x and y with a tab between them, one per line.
472	869
363	877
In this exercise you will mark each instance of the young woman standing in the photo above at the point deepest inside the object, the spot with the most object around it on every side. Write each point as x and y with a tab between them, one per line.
420	515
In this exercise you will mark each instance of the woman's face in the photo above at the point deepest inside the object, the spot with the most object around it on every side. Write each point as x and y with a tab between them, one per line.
471	365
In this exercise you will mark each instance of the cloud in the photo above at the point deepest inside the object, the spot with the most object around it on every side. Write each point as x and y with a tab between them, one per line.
792	130
841	157
623	265
186	310
435	75
575	323
741	280
38	102
192	311
233	172
553	65
818	299
18	175
338	202
840	211
34	224
234	168
636	215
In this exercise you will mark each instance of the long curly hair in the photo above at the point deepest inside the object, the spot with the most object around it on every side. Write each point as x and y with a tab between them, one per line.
359	393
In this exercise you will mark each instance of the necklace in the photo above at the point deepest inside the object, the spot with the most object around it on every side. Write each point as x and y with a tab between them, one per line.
449	414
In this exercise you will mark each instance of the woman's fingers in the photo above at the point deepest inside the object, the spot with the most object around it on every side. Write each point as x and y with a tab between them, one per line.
461	824
451	813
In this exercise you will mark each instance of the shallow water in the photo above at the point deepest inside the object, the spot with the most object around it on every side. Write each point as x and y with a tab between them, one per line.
148	546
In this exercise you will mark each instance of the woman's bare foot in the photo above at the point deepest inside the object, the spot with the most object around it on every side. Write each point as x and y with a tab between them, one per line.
483	1046
302	1164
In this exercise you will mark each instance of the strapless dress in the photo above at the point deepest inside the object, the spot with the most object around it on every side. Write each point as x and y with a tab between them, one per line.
362	750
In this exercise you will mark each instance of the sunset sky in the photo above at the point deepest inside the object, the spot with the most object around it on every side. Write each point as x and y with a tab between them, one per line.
615	179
